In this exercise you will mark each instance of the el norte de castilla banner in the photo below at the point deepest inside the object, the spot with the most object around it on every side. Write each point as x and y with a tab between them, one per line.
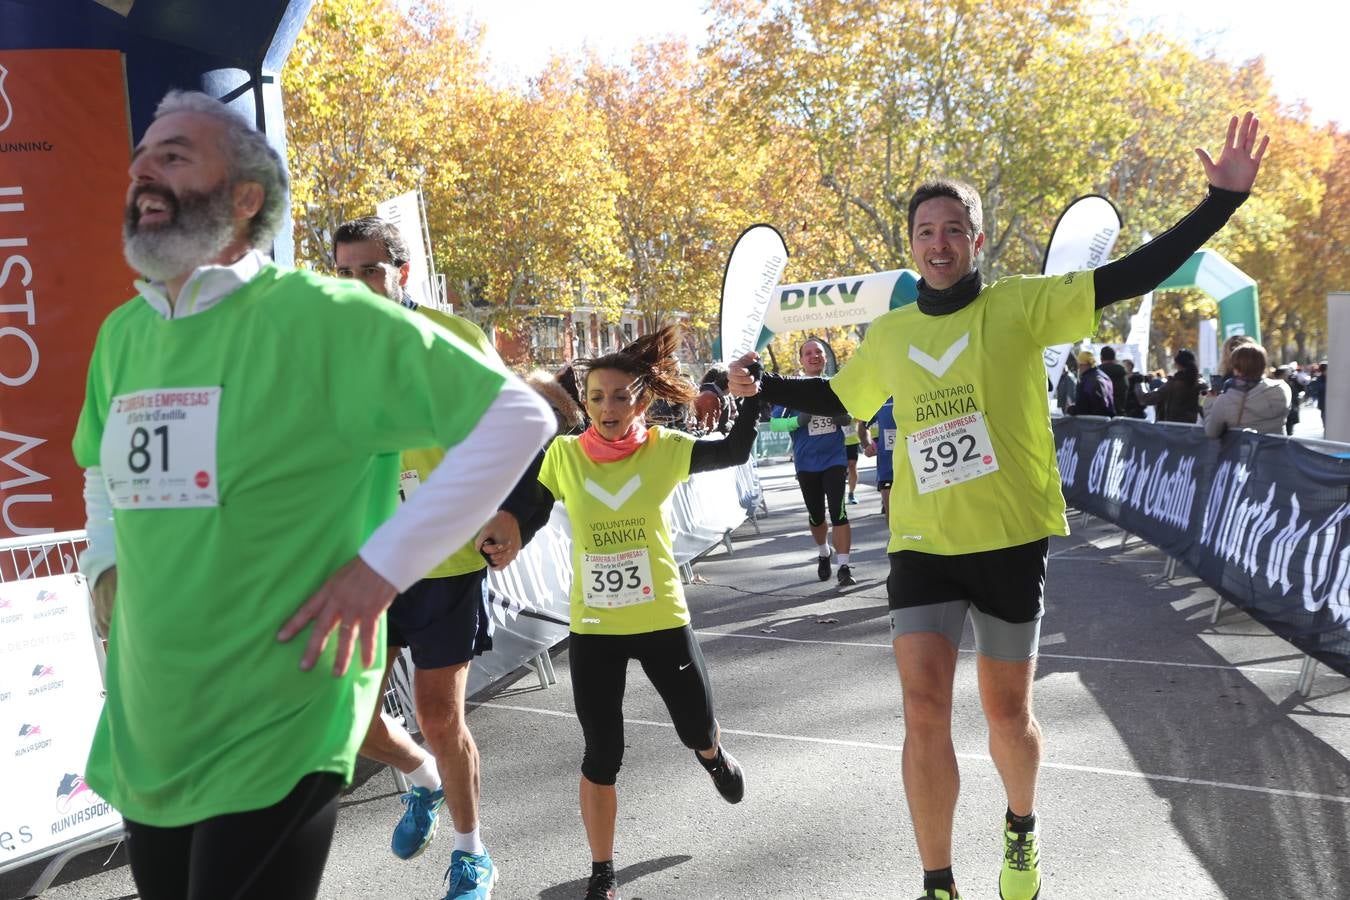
1261	519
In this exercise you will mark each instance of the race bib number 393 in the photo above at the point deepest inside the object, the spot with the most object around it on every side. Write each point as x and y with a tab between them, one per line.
159	448
618	579
949	453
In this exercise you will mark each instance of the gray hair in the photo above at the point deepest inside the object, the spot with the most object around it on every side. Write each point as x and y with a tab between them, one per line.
248	155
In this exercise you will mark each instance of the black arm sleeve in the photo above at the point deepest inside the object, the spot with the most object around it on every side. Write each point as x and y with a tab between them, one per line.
734	449
542	508
1145	268
520	502
810	395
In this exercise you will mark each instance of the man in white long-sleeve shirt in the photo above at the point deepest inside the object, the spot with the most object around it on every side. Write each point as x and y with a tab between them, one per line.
241	429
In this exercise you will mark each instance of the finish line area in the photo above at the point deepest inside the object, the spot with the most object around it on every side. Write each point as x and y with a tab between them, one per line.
1178	752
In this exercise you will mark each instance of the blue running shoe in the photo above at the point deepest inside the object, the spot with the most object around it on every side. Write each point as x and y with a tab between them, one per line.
471	876
415	830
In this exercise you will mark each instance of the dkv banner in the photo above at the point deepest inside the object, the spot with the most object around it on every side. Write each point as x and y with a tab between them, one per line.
51	694
65	145
846	300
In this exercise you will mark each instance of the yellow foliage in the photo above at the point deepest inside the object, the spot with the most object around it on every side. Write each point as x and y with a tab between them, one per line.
623	185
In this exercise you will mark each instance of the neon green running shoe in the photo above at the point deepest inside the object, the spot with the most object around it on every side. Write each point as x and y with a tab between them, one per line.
1021	875
939	894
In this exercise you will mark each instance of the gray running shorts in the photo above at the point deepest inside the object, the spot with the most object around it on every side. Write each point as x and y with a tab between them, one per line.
994	638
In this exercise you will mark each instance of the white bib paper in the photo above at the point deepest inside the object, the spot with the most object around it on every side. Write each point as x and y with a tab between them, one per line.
159	448
951	452
888	438
612	580
821	425
408	483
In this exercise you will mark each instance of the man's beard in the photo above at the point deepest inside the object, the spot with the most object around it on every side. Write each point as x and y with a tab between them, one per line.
200	227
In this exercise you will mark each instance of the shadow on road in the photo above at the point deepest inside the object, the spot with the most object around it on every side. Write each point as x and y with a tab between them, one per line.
570	890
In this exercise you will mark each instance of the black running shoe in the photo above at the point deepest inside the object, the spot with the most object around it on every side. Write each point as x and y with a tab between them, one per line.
726	775
823	568
602	887
846	576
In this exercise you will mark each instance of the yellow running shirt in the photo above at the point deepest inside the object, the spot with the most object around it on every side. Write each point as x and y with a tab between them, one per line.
624	576
417	465
975	465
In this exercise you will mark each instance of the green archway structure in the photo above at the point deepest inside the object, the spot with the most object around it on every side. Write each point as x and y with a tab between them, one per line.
1233	288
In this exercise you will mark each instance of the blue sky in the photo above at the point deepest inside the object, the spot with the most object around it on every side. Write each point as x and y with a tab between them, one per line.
1301	39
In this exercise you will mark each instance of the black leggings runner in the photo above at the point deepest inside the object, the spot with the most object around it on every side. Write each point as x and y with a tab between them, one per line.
276	852
674	665
818	488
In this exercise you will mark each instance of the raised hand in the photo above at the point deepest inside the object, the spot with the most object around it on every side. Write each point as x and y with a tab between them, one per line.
1241	156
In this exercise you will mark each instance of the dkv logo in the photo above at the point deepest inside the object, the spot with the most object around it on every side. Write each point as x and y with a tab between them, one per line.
6	109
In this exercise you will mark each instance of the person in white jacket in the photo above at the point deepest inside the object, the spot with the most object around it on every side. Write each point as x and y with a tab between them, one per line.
1251	400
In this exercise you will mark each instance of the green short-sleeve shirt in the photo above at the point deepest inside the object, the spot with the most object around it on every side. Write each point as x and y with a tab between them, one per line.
250	450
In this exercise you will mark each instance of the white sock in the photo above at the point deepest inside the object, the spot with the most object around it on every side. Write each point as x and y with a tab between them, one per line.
843	559
469	841
426	775
823	549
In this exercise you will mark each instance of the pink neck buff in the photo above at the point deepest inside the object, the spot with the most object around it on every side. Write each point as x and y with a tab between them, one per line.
602	451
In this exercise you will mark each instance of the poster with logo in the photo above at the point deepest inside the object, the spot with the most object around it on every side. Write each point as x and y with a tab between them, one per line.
51	694
65	145
404	212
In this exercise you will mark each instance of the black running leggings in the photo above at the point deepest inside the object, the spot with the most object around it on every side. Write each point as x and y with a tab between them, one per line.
820	487
274	852
674	665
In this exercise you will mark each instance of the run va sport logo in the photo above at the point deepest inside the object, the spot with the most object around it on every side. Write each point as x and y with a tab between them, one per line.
76	802
73	793
32	740
6	109
46	679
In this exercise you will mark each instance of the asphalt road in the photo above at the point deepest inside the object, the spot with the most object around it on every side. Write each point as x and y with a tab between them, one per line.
1180	760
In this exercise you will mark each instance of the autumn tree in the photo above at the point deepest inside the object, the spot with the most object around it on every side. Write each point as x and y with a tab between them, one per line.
529	223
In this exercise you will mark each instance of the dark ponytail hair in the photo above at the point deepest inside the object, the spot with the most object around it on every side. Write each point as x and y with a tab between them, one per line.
651	361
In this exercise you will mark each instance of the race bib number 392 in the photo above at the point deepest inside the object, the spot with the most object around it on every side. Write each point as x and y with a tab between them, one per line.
952	452
159	448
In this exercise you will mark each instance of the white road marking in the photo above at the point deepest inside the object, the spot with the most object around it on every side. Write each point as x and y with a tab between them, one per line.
972	757
1103	659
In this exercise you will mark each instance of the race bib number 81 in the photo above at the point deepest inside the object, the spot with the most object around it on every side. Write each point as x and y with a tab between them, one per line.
955	451
159	448
619	579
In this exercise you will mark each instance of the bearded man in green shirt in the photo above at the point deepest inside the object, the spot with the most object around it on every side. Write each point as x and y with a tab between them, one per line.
241	435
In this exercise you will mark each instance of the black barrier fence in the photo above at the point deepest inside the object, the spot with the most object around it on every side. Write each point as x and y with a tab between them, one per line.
1263	520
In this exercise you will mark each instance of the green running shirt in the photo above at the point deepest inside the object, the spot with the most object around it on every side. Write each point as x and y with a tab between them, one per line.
624	576
975	465
311	387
